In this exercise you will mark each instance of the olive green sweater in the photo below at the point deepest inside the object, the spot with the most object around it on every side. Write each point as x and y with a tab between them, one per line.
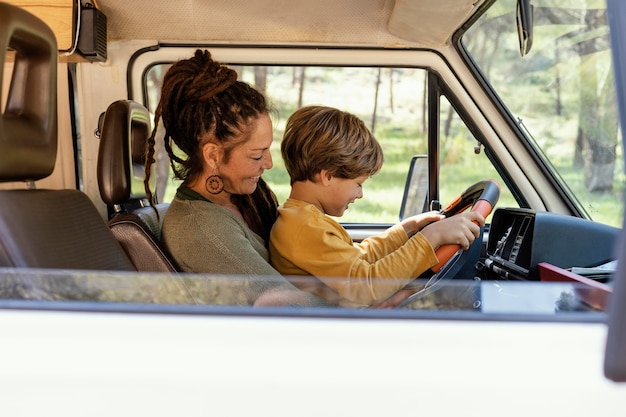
204	237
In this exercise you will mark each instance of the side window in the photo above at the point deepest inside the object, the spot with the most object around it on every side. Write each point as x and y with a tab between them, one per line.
391	102
461	161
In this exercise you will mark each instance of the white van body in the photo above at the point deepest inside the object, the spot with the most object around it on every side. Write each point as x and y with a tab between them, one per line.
515	350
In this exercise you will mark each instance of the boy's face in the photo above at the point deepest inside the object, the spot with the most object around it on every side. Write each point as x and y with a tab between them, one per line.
340	193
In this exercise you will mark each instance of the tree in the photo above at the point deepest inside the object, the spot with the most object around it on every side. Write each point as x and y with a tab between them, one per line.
596	142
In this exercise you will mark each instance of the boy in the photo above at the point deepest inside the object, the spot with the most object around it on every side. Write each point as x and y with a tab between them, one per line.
329	154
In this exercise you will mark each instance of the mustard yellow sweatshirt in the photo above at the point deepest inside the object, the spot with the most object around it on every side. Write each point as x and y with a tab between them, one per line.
305	241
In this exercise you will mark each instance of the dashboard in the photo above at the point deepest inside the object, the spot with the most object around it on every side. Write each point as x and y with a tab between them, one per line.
520	239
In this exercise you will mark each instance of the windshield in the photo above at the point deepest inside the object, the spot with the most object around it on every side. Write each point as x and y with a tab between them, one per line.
561	93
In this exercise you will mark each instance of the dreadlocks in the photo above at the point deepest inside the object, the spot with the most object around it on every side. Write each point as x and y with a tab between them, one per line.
200	98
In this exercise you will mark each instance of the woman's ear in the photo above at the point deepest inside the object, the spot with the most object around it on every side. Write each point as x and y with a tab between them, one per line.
212	155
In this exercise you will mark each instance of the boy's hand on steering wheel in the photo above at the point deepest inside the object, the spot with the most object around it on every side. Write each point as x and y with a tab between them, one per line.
460	230
416	223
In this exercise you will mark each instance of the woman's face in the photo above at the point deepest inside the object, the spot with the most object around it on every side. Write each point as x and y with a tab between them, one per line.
248	161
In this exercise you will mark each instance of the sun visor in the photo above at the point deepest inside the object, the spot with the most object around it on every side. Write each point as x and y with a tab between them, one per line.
427	22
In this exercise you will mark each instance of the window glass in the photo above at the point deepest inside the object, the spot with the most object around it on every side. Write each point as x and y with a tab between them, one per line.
205	293
561	93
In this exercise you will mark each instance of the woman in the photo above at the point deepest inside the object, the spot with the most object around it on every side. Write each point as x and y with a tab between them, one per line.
221	216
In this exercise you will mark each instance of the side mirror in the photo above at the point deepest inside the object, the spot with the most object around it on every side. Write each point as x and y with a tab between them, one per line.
415	198
524	19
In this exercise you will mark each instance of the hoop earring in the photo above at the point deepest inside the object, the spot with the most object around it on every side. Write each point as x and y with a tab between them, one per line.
214	184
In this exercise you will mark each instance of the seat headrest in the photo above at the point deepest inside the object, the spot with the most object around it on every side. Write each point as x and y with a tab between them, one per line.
124	135
28	126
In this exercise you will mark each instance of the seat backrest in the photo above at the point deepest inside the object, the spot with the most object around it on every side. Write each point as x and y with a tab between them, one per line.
124	134
42	228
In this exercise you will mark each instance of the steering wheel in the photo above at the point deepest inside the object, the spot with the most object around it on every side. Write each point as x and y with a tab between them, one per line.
482	198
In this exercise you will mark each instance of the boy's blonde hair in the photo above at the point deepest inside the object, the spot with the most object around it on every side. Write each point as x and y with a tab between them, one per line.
320	137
